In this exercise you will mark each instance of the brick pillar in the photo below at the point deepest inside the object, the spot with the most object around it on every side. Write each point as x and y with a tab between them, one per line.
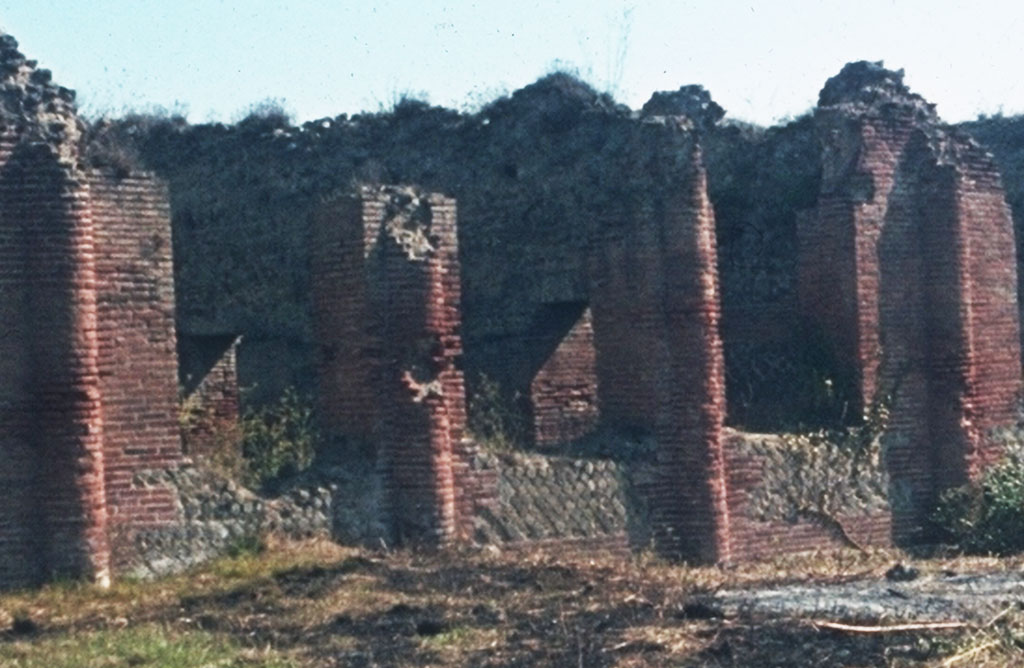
138	360
655	302
839	272
388	317
345	230
975	380
56	441
909	266
20	515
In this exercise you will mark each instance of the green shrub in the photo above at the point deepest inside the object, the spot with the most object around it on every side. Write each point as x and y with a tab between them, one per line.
279	439
496	419
213	441
986	516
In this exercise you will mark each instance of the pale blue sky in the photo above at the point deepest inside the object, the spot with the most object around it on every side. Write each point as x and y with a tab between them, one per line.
760	60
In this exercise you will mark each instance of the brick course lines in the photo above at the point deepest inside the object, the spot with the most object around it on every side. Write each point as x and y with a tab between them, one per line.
19	514
137	345
386	280
914	242
214	404
345	230
659	355
563	393
56	440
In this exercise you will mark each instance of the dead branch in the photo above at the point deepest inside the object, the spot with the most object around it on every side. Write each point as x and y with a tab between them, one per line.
891	628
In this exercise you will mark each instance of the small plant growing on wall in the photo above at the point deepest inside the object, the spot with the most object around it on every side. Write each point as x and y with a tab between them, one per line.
269	443
821	475
279	439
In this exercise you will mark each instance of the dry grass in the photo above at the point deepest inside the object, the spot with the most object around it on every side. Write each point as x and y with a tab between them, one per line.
317	604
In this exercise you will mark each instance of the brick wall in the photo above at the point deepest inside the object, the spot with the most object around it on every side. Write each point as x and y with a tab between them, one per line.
211	392
387	272
563	393
345	230
655	303
138	360
53	512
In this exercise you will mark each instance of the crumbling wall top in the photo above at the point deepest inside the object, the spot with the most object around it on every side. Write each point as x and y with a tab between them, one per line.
407	218
692	101
34	107
864	85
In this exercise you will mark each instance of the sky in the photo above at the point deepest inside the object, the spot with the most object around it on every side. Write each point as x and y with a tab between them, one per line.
213	60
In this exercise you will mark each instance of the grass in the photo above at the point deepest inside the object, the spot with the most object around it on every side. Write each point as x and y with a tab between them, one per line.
148	645
317	604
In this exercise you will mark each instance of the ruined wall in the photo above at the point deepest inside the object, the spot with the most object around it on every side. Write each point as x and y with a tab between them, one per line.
405	286
211	403
53	509
785	497
655	301
565	503
137	346
909	268
563	393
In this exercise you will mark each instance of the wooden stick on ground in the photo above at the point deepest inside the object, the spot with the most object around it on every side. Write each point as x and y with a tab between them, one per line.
892	628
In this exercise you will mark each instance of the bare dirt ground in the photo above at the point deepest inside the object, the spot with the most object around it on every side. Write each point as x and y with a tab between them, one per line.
316	604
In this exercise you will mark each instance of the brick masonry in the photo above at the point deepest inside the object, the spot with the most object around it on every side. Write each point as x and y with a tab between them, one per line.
137	346
766	500
388	321
89	366
53	519
54	512
909	267
345	231
906	266
211	404
563	393
655	302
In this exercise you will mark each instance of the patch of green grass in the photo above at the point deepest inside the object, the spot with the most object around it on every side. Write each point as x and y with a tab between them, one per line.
139	647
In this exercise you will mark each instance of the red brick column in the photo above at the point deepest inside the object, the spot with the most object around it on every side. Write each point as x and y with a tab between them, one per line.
345	230
909	266
56	437
138	360
975	376
839	272
386	280
20	515
659	355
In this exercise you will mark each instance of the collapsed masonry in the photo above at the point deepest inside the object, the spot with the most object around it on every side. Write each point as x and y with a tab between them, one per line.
907	267
88	393
387	290
386	283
